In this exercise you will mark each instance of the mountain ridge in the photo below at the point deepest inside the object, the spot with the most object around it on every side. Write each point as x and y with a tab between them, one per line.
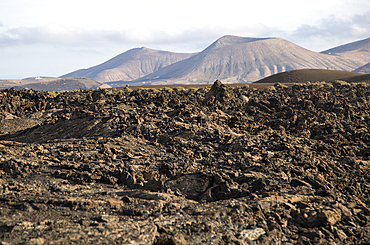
62	84
237	59
228	40
232	59
358	51
363	44
129	65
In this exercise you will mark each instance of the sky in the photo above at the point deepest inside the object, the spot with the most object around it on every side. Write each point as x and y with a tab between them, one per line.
55	37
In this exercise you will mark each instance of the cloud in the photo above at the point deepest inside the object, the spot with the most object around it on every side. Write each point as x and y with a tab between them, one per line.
193	39
334	29
57	34
324	33
52	33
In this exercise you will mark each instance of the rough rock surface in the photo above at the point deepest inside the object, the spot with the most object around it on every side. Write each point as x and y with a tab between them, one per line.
283	165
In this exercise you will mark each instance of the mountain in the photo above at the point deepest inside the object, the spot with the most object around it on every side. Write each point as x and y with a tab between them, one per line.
235	59
10	83
231	59
358	51
130	65
311	75
358	46
59	84
365	69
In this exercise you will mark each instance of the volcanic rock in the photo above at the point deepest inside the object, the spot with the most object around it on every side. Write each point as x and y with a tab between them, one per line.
287	166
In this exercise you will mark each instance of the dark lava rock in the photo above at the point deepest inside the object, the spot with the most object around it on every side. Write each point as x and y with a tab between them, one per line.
218	92
283	165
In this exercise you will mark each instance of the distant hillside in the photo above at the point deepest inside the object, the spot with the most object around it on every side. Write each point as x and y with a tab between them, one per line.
312	75
362	45
9	83
60	84
130	65
363	69
358	51
238	59
231	59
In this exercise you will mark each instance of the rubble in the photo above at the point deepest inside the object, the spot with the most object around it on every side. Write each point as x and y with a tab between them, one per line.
283	165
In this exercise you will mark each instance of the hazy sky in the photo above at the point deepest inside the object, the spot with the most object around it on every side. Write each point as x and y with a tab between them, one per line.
54	37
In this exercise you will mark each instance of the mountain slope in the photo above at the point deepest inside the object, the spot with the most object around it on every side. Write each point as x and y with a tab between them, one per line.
130	65
358	51
238	59
59	84
362	45
311	75
365	69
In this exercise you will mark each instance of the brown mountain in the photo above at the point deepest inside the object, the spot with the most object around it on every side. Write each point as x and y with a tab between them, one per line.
239	59
130	65
363	69
312	75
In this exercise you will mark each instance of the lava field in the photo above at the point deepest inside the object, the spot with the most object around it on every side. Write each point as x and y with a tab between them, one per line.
219	165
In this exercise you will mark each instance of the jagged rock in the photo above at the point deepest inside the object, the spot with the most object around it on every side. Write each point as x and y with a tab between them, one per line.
330	217
289	165
218	92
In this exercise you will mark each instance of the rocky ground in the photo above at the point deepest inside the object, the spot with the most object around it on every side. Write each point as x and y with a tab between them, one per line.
282	165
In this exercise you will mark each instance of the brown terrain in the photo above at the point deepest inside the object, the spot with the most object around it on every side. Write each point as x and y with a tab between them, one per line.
315	75
216	165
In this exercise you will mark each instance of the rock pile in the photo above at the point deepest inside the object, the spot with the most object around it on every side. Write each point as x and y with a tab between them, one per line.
283	165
